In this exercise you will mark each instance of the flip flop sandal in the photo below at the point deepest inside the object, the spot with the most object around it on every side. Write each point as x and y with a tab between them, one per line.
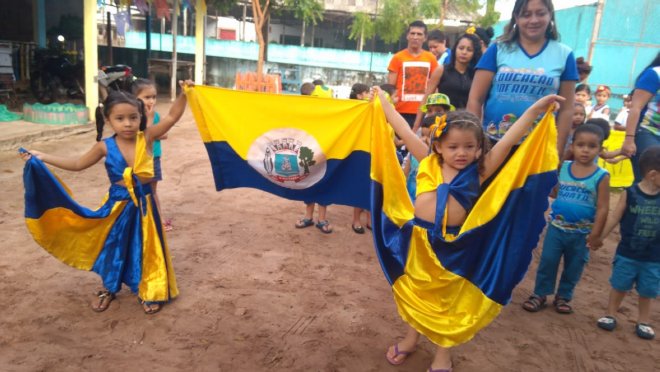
561	306
324	226
358	229
398	353
607	323
147	306
305	222
535	303
104	298
644	331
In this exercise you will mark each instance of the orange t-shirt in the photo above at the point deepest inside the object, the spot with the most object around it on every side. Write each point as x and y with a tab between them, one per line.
412	75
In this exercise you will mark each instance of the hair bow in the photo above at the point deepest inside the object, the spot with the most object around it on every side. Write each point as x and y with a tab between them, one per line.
471	30
440	126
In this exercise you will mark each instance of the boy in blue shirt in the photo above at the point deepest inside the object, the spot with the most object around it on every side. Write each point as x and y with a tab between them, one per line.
578	217
637	259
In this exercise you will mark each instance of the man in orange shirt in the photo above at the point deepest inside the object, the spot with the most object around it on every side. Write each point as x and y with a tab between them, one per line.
409	71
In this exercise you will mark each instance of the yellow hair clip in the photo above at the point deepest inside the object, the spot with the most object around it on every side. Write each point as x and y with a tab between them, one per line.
471	30
440	126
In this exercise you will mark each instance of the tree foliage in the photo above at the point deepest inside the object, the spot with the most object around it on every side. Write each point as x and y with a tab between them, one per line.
393	19
362	28
222	6
308	11
491	17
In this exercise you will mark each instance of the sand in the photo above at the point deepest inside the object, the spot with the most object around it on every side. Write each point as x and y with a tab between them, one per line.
258	294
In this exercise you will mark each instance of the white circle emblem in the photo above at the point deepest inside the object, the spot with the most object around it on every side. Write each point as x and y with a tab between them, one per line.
288	157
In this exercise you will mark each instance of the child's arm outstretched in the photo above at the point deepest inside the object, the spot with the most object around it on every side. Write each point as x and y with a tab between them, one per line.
91	157
595	238
176	111
499	152
414	144
616	215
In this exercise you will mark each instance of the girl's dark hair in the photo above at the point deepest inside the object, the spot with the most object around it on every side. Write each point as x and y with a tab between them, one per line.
475	57
485	34
389	88
358	88
583	66
583	87
578	104
511	32
464	120
114	98
139	84
603	124
590	127
650	160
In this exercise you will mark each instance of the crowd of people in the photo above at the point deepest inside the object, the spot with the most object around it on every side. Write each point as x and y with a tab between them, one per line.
459	114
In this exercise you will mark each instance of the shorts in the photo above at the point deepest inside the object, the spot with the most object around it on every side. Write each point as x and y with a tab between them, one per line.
644	275
158	172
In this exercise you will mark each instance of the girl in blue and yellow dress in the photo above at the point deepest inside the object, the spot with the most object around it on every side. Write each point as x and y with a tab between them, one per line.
449	283
123	240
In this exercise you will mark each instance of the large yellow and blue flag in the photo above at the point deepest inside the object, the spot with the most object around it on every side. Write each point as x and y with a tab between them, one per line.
448	287
297	147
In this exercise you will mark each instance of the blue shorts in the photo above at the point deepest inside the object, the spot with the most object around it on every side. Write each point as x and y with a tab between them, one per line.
644	275
158	172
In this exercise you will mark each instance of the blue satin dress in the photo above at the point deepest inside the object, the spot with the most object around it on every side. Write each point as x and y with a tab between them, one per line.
122	240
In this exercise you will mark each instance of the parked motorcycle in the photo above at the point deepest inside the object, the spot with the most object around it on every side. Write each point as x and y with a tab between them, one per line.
54	77
117	77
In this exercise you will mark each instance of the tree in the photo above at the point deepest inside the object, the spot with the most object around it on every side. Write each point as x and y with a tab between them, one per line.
306	157
393	19
309	11
491	17
260	15
362	28
222	6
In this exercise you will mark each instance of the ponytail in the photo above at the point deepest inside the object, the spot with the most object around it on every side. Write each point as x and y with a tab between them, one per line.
100	122
143	115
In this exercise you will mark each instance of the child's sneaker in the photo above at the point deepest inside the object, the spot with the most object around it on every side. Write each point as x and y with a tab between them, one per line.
607	323
644	331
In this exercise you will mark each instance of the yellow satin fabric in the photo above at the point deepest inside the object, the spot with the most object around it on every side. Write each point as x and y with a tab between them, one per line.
439	304
72	239
158	281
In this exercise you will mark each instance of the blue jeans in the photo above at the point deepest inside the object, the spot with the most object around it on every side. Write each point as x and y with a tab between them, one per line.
558	243
643	140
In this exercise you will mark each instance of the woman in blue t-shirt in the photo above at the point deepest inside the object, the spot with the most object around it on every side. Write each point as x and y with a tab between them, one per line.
643	123
525	64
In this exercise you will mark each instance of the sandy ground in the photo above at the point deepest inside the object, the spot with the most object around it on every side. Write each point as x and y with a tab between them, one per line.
259	295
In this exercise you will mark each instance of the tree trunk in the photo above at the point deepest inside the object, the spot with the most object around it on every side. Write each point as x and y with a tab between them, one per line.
361	41
260	15
443	13
302	34
313	32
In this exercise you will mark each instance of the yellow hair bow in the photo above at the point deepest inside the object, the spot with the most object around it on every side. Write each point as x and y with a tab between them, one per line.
471	30
440	126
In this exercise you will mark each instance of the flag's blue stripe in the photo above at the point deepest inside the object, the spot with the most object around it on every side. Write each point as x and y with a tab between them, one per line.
43	192
346	181
497	266
391	242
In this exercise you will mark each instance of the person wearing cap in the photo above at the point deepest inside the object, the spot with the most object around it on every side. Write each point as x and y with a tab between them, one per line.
437	103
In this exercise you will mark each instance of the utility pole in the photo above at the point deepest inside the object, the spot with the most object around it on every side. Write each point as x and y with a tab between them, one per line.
596	29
